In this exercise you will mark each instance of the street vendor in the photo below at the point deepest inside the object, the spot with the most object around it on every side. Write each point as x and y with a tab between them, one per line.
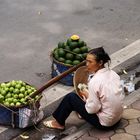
102	104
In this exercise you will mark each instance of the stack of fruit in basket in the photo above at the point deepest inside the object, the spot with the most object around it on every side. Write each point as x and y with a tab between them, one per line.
71	52
15	93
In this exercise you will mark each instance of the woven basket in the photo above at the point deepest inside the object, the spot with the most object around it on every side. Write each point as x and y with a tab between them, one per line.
58	68
80	76
10	115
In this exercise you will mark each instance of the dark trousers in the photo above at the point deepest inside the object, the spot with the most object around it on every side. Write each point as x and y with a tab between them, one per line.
72	102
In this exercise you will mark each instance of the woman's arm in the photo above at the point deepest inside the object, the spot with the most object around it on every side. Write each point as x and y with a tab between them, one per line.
93	104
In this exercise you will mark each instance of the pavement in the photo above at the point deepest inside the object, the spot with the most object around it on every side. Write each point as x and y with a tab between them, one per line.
129	127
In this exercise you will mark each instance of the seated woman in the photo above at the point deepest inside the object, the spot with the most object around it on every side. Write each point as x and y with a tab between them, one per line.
102	105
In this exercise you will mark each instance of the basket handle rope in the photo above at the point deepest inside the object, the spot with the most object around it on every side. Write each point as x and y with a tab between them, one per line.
73	53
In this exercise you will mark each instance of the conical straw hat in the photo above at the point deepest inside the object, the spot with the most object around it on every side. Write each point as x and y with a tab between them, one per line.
80	76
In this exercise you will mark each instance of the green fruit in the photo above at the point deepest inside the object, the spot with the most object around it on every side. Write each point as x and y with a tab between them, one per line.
69	41
15	100
67	48
8	84
6	100
55	51
18	86
73	45
61	45
79	57
33	89
12	104
21	95
28	87
56	56
61	52
22	89
11	89
29	91
6	103
1	98
3	92
16	91
15	96
24	84
61	59
6	89
10	100
65	44
22	100
68	62
84	55
80	43
18	103
69	56
76	62
25	93
76	50
3	85
84	49
13	83
8	95
20	82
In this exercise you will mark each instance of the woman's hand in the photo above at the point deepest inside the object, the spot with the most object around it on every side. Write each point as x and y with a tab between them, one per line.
84	94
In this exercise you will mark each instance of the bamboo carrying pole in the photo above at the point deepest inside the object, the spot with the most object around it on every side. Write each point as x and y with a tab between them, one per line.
57	78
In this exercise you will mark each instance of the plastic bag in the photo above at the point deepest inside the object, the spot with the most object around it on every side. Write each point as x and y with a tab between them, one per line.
28	117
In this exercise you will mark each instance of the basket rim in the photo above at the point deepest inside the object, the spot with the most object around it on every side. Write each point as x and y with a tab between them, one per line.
74	82
68	65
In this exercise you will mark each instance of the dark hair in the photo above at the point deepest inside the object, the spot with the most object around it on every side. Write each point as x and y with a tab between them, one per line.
101	55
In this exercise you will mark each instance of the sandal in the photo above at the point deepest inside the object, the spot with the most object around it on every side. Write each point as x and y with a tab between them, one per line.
49	124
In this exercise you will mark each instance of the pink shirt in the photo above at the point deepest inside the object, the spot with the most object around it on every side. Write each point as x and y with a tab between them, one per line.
105	97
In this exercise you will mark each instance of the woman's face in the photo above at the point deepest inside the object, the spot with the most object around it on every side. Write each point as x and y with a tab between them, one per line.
92	64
